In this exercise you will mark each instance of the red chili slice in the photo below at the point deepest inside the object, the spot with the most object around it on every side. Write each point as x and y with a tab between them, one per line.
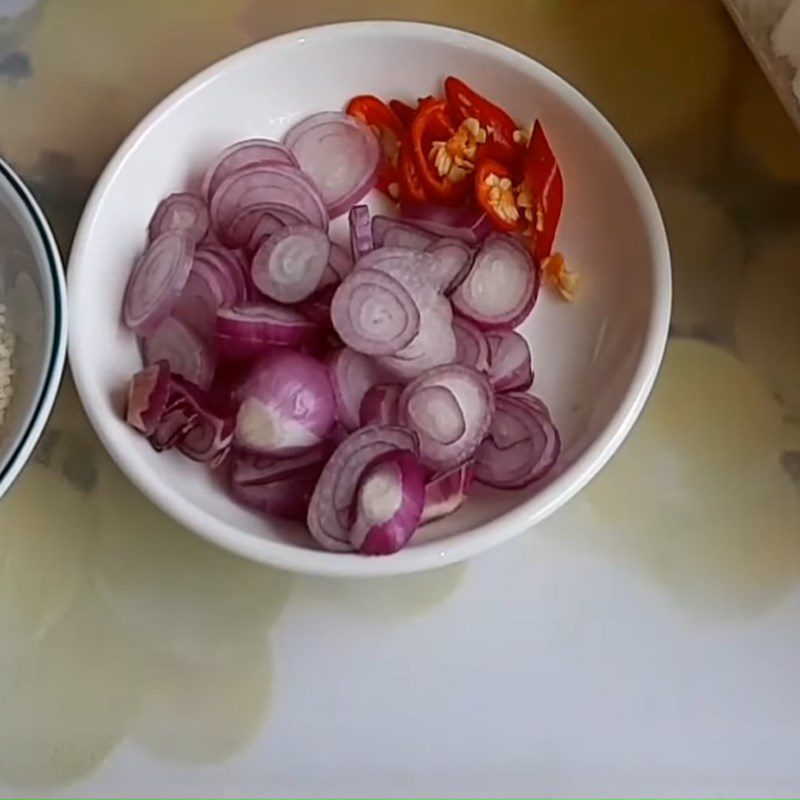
546	186
484	173
411	188
389	130
464	102
433	123
403	111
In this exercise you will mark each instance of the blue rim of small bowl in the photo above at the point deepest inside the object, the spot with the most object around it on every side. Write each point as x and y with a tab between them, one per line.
58	346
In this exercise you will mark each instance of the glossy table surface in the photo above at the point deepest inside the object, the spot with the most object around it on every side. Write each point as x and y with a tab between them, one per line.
644	640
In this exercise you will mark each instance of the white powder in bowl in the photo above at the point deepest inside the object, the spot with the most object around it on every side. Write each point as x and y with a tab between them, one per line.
6	368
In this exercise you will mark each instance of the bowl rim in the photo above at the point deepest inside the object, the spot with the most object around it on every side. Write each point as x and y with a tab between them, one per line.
56	359
457	547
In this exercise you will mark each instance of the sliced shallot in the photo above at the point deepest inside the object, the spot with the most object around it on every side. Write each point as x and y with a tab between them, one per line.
253	224
183	349
501	287
339	153
198	304
522	445
352	374
249	328
360	231
451	264
414	269
318	307
330	510
178	419
244	154
435	342
373	313
339	265
181	212
286	497
157	281
470	225
446	491
328	280
388	504
434	345
472	349
535	403
288	266
148	393
340	260
450	408
392	232
380	405
280	486
189	422
265	183
219	268
228	377
287	404
435	409
510	361
209	438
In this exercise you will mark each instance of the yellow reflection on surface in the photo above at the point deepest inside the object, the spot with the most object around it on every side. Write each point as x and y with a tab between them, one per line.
206	712
697	496
116	622
66	704
182	596
43	545
768	317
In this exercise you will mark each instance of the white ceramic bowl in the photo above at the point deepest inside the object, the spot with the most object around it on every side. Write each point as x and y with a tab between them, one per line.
32	289
595	360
